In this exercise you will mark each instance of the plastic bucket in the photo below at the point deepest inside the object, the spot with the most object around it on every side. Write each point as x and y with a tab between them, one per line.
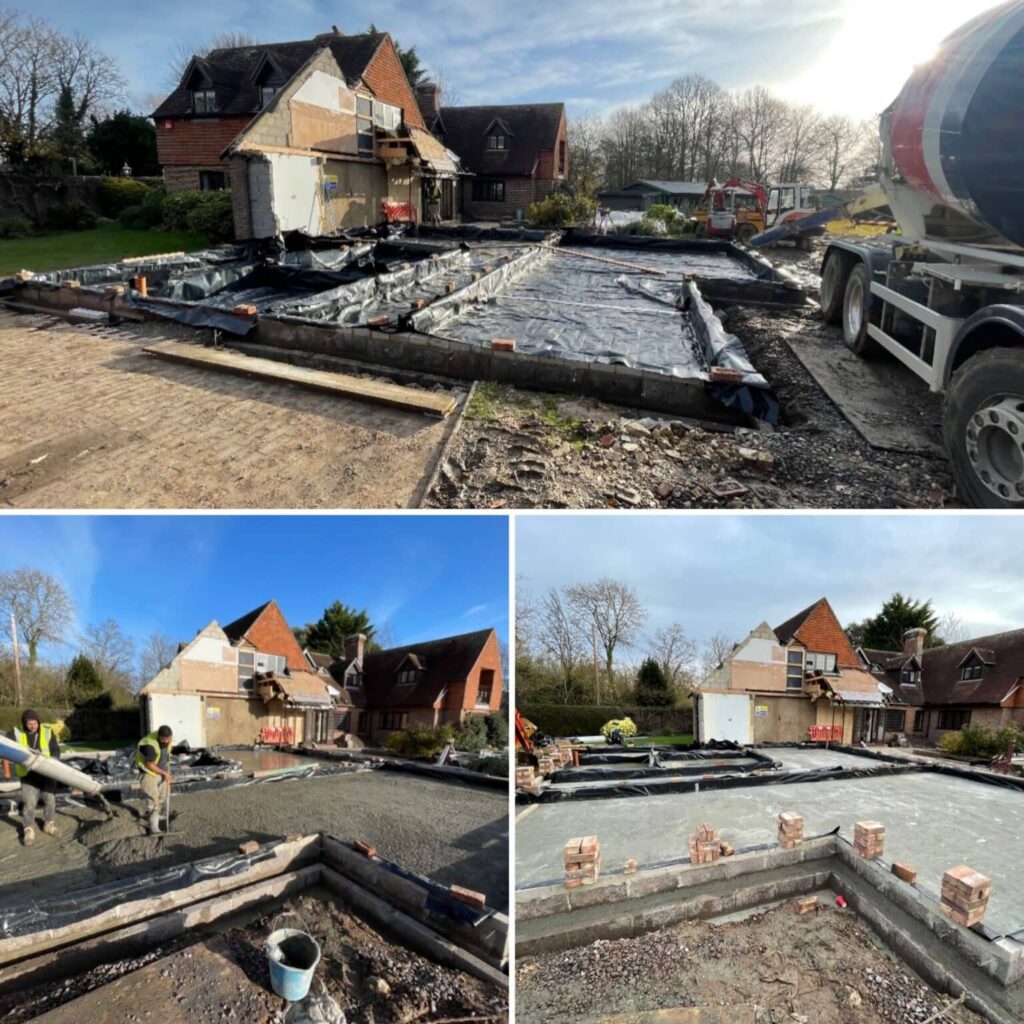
292	956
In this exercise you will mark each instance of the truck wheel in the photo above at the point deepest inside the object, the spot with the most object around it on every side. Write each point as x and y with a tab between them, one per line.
856	312
983	426
834	276
745	232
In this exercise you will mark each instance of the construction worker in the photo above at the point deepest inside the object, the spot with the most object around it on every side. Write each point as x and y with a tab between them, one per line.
153	760
434	203
36	736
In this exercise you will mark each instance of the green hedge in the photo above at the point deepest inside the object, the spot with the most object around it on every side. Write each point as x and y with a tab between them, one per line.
570	719
115	195
99	724
10	717
587	719
207	213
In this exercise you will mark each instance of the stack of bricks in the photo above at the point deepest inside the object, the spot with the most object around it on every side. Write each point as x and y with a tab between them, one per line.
545	765
965	895
705	846
791	829
868	839
582	856
526	779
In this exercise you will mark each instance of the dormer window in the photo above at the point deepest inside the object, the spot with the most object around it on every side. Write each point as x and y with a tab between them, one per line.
497	140
972	671
267	93
204	101
354	681
910	676
408	675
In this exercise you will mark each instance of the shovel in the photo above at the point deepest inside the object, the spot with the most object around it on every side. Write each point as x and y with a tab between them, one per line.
167	814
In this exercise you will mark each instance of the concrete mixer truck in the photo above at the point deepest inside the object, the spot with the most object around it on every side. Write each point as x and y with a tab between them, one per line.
946	298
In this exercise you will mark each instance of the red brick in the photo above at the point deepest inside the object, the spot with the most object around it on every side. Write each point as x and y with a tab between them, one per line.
244	310
469	896
197	142
378	321
271	634
807	905
904	871
503	345
365	848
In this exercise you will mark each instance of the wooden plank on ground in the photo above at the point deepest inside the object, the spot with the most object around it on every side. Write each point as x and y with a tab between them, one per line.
339	384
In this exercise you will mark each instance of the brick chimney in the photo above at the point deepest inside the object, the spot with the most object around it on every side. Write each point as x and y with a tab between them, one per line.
913	641
326	37
354	648
428	98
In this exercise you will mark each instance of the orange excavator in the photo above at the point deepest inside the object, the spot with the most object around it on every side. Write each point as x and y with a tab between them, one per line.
741	208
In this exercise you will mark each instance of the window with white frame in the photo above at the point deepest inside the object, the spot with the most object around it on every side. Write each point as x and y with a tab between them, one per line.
364	125
275	663
246	669
824	664
794	670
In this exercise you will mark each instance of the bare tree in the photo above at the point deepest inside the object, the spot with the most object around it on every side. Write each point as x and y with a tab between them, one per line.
182	53
716	650
675	651
42	608
109	650
839	139
560	637
36	63
526	618
952	628
158	651
586	164
614	611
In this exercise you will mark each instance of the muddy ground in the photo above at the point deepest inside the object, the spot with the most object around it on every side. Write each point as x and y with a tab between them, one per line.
450	832
89	421
771	968
517	449
225	980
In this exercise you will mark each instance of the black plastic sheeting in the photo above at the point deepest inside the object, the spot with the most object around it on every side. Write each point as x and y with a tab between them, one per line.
660	770
474	233
676	784
581	309
70	908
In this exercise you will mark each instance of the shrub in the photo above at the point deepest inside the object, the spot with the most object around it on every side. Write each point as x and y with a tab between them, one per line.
496	764
115	195
561	210
207	213
419	740
625	725
644	226
70	216
977	741
141	217
667	214
570	719
15	227
497	731
471	735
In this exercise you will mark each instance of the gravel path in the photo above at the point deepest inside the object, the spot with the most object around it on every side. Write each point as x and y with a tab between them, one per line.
451	833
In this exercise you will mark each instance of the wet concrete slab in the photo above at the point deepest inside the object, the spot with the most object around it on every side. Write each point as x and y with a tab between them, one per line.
793	758
268	760
932	822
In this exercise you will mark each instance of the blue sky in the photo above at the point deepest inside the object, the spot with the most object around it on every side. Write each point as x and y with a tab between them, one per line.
423	576
845	55
721	573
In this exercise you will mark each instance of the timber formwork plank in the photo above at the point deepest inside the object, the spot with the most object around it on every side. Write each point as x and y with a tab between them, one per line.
339	384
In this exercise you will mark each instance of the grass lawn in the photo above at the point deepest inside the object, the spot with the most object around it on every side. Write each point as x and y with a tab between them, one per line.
88	746
682	739
98	245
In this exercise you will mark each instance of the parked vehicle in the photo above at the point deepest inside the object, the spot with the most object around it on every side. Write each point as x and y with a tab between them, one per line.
946	297
741	208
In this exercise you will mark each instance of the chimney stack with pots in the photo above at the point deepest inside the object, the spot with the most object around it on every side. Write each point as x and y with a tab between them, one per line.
913	641
354	648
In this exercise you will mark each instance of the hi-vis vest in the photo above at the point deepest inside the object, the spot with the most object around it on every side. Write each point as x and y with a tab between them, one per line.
44	745
140	762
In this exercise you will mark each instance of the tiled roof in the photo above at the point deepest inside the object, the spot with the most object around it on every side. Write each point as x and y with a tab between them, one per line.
230	71
532	127
445	661
818	629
